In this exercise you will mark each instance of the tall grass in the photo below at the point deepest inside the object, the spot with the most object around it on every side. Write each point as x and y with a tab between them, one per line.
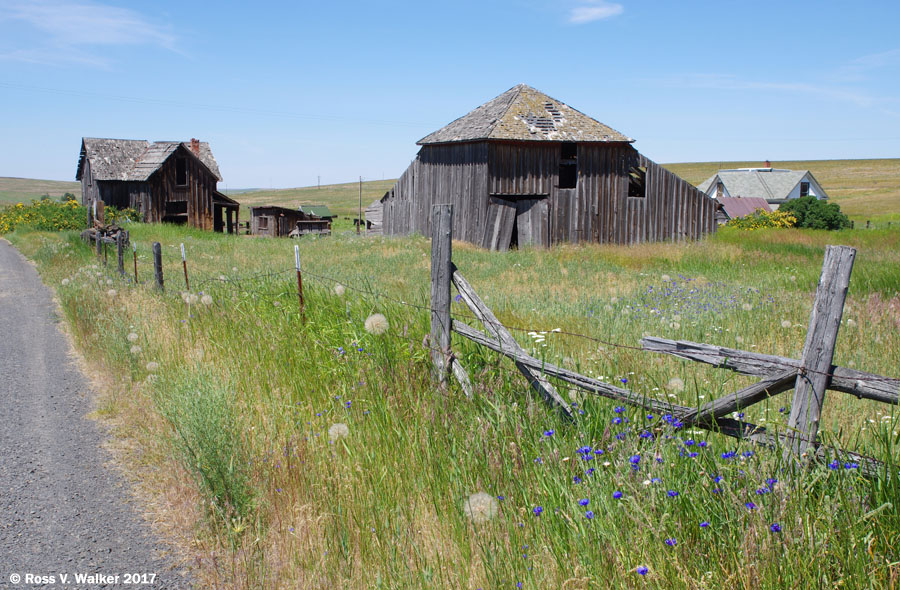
247	389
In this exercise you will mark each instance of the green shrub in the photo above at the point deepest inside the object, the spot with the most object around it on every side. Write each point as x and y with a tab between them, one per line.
812	213
119	216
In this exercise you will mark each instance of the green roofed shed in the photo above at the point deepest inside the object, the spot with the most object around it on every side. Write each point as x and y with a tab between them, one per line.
318	210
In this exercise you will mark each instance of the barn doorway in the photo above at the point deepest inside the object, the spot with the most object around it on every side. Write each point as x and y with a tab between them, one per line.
515	221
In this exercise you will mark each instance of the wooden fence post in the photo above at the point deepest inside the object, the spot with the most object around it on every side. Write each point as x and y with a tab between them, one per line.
441	261
98	242
134	250
120	252
818	352
157	265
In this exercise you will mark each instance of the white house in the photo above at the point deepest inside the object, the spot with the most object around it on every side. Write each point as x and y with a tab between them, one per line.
775	185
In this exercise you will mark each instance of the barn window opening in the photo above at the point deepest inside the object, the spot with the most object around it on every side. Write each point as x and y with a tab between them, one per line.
637	181
180	171
804	189
263	222
568	165
720	189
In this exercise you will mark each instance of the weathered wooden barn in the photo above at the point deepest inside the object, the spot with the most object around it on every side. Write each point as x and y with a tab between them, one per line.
525	168
277	221
166	181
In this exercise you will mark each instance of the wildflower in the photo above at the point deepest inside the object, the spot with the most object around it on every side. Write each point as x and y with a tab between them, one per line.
775	527
584	502
480	507
834	465
338	430
635	459
617	494
132	337
785	323
642	570
376	324
671	542
624	380
666	279
619	409
207	299
576	479
589	514
339	290
537	510
65	282
135	349
549	433
672	493
704	524
750	505
152	367
112	293
675	384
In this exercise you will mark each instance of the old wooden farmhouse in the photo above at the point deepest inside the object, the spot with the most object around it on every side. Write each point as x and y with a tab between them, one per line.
166	181
775	185
525	168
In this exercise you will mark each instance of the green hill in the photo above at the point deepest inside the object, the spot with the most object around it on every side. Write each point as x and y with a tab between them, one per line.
23	190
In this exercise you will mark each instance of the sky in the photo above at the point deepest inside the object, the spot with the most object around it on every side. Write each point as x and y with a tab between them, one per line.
295	93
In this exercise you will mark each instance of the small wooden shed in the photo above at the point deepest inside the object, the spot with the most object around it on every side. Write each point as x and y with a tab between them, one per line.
166	181
525	168
277	221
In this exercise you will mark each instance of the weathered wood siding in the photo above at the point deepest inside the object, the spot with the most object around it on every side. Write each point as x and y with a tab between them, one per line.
493	185
197	192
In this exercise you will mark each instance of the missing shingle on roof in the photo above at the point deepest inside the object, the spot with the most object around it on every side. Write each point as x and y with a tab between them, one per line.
554	112
539	123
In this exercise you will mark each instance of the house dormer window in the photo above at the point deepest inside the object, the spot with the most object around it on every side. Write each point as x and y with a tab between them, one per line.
720	189
180	172
804	189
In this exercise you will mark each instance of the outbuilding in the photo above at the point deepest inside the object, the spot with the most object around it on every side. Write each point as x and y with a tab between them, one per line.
527	169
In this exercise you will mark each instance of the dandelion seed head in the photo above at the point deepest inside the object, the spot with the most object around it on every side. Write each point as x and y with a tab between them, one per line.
112	293
207	299
785	323
480	507
135	349
152	367
132	337
675	384
65	282
376	324
338	431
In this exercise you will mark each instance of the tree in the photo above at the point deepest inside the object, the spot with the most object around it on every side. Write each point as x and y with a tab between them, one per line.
812	213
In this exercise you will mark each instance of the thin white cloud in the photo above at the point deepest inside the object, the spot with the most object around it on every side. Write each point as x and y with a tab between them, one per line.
64	31
857	69
588	11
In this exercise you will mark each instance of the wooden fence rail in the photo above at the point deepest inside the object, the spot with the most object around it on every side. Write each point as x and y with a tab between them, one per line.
809	377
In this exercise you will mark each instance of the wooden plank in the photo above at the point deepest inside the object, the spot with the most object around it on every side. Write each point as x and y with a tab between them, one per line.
744	398
857	383
492	324
818	352
441	256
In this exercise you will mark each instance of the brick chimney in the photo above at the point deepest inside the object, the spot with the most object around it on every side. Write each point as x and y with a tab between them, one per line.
766	164
195	146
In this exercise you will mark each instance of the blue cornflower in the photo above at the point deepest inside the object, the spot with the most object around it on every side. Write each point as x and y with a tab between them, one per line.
771	481
851	465
501	498
689	442
589	514
762	491
834	464
702	444
704	524
587	457
576	479
549	433
589	471
619	409
617	494
729	455
750	505
646	434
348	404
693	454
624	380
635	459
655	480
748	454
671	542
584	450
649	416
617	420
716	478
538	460
598	451
584	502
537	510
642	570
672	493
775	527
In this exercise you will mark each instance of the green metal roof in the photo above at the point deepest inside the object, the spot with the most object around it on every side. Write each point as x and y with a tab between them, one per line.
317	210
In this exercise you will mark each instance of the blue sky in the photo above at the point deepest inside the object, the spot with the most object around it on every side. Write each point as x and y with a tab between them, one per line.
289	92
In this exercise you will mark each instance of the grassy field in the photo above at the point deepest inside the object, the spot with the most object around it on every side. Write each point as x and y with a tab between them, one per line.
24	190
342	199
315	452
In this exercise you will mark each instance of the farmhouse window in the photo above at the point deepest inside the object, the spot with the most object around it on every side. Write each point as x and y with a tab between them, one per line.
804	189
637	181
180	172
263	222
568	165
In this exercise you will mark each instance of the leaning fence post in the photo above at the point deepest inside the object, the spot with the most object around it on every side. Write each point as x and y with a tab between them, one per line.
157	265
187	284
441	262
299	278
120	252
818	352
134	250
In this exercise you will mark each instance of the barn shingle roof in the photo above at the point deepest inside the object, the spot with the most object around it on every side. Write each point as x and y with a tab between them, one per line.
135	160
525	114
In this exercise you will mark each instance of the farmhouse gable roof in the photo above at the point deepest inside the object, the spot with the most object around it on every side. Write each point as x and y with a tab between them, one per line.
135	160
525	114
772	184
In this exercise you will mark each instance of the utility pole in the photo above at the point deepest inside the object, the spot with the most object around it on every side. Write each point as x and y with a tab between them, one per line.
359	219
318	182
